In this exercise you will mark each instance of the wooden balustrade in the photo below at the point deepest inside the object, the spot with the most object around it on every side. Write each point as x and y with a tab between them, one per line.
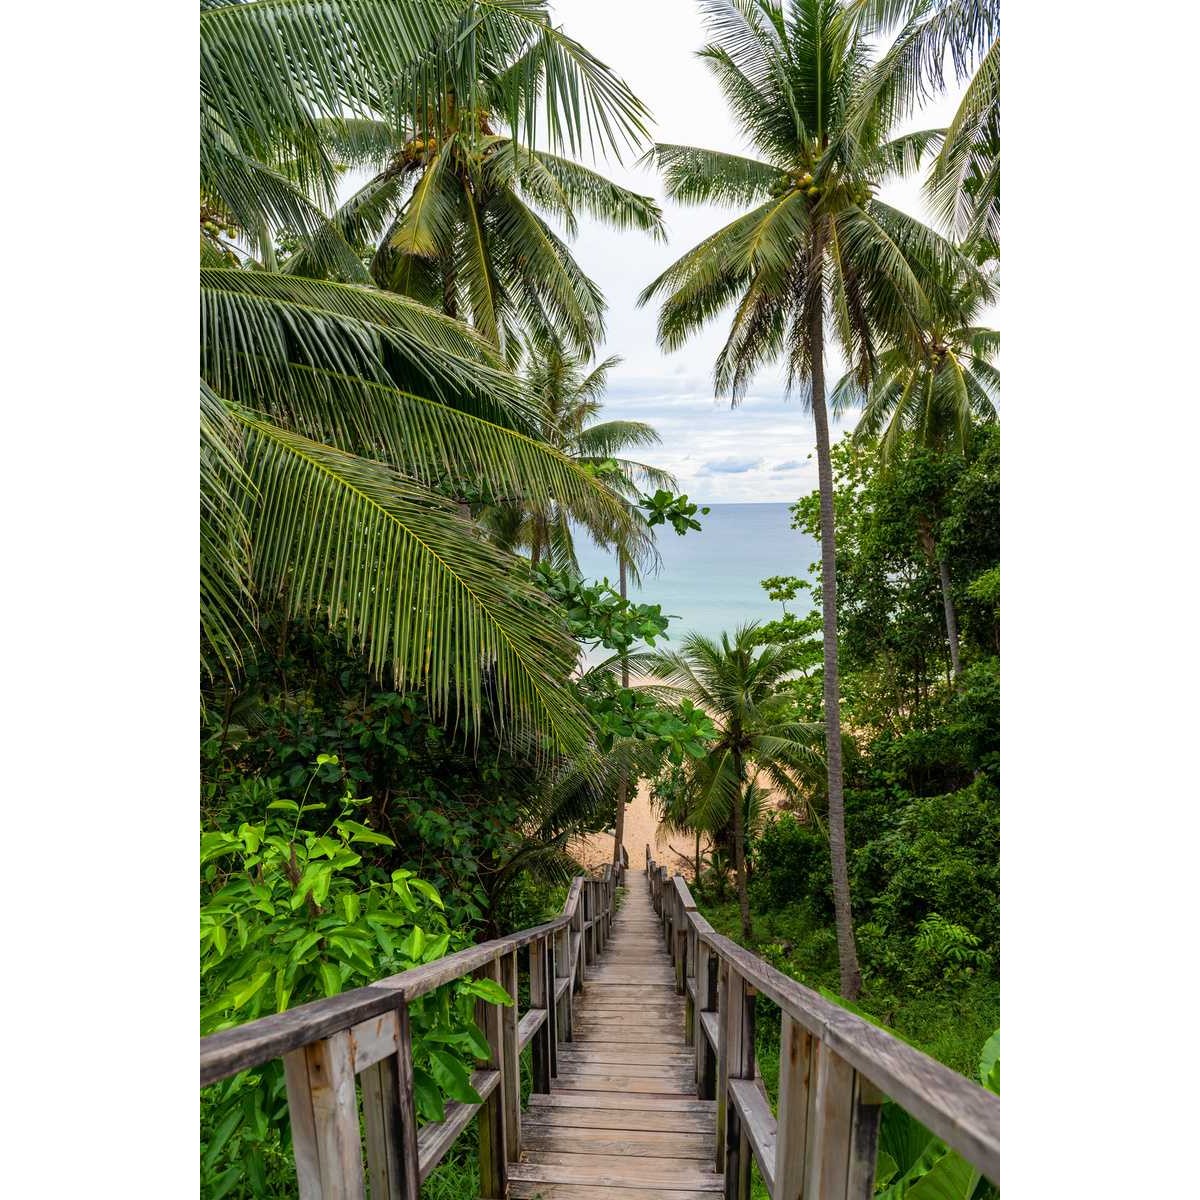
835	1071
362	1040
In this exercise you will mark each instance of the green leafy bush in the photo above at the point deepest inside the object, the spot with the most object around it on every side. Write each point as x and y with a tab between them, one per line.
290	912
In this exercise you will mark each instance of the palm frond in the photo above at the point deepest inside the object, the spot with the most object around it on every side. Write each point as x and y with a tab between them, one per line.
426	599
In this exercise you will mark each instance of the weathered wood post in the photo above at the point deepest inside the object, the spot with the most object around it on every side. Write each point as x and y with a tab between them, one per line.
551	1005
323	1104
510	1081
562	965
843	1125
493	1141
737	1024
706	996
540	1053
389	1113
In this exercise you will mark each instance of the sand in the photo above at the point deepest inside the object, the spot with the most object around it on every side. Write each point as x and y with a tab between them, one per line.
641	828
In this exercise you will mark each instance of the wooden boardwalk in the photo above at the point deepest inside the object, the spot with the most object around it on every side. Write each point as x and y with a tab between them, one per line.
622	1119
645	1082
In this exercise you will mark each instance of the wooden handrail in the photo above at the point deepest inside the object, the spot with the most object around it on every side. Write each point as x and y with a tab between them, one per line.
835	1071
365	1032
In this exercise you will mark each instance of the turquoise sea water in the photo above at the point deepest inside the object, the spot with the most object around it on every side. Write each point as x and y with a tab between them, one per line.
709	581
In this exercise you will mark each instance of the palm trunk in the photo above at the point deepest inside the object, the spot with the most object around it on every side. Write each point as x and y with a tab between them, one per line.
623	782
850	978
930	547
739	848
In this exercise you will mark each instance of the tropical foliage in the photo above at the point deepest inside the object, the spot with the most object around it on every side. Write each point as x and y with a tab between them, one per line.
817	255
335	417
413	702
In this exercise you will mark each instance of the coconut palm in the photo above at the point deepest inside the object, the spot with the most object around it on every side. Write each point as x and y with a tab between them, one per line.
930	394
739	683
459	214
273	73
817	254
330	411
571	398
964	184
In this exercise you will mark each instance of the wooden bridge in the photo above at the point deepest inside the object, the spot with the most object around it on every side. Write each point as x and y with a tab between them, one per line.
641	1026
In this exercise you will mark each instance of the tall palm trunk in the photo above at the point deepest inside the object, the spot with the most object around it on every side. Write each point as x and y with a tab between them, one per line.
933	558
850	978
623	782
739	847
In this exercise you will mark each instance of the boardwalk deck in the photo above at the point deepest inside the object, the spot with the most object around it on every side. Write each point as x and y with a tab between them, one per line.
622	1119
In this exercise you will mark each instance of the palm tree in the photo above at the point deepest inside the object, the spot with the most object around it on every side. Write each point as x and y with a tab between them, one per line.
330	410
571	398
930	394
461	213
818	247
964	184
740	685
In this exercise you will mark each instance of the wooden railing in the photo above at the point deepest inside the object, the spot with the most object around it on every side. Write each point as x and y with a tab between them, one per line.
835	1071
365	1035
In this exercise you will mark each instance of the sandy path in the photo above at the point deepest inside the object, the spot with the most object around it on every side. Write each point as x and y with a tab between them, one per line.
641	828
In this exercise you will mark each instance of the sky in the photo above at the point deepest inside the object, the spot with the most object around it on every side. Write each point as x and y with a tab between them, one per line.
761	450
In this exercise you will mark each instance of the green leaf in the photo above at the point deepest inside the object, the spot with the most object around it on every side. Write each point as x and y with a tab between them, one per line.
350	905
989	1064
429	1098
352	831
453	1077
951	1178
487	990
238	996
428	891
414	945
331	978
221	1136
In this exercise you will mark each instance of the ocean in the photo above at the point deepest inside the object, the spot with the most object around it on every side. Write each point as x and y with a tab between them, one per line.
709	581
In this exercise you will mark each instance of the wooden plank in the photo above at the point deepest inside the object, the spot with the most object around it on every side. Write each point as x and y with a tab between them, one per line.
590	1052
641	1120
373	1039
953	1107
521	1190
758	1123
539	998
529	1024
622	1143
737	1028
304	1129
381	1116
335	1116
795	1063
864	1140
510	1070
667	1174
493	1139
652	1084
410	1157
830	1113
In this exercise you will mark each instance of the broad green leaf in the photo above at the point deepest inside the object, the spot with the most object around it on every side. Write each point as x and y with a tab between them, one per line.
453	1078
487	990
989	1063
331	978
239	996
414	945
428	891
951	1178
428	1096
